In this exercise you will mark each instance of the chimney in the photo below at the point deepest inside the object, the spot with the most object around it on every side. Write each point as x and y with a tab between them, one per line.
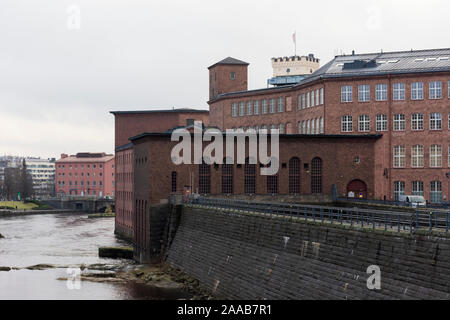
63	155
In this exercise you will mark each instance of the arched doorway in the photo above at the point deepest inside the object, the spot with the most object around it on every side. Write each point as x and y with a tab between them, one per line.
357	189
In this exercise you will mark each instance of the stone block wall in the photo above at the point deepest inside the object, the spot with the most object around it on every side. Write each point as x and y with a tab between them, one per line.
246	256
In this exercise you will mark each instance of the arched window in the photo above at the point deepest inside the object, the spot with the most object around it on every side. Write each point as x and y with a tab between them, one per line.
294	176
316	175
249	177
174	181
272	184
204	178
227	178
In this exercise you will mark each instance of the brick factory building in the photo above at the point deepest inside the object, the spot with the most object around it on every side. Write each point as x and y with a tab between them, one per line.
131	123
85	174
404	96
385	112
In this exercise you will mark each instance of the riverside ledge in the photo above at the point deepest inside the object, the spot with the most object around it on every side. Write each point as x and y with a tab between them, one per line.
18	213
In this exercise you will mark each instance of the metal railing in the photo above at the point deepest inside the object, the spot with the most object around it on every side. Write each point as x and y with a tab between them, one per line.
442	205
395	221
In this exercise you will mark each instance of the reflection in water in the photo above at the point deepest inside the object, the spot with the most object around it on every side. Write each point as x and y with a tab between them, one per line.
64	239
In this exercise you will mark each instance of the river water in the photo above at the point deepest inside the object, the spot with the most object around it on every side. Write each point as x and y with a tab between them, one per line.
63	239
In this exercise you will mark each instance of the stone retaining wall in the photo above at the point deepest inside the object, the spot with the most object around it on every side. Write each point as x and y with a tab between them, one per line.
247	256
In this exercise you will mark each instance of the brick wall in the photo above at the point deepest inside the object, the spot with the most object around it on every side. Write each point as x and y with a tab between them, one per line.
242	256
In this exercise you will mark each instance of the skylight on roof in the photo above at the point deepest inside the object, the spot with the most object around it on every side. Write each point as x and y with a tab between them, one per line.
430	59
393	61
443	58
382	61
418	60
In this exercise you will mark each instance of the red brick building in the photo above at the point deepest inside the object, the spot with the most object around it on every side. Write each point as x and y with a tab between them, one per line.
85	174
131	123
375	124
404	96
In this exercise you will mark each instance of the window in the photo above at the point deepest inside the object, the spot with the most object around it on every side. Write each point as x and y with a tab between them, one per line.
399	91
399	156
416	121
363	93
174	181
272	105
417	156
317	97
448	156
280	104
304	127
312	126
321	95
435	156
346	124
381	92
308	102
294	176
417	91
317	125
435	90
364	123
227	178
249	108
312	99
303	101
264	106
381	122
321	125
299	102
281	128
249	177
204	177
241	109
316	175
308	127
435	192
435	121
272	184
299	127
256	107
399	189
399	122
417	188
232	75
346	93
448	89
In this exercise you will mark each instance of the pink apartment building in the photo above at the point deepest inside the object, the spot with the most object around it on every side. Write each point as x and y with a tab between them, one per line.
85	174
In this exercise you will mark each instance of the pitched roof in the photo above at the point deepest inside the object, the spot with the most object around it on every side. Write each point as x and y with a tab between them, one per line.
180	110
373	64
229	60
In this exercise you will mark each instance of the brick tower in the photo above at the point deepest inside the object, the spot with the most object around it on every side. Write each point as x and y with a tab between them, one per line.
228	75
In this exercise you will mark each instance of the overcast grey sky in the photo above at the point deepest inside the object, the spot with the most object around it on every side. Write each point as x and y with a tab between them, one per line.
60	75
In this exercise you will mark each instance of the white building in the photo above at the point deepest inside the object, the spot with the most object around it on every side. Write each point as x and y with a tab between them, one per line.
42	172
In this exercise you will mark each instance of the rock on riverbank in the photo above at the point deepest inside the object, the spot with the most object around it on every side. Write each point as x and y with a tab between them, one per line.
116	252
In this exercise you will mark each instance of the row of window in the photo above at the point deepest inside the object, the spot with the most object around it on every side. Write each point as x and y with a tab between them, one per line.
81	174
381	91
417	189
88	166
313	126
310	99
272	183
399	121
249	108
281	127
417	156
75	183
